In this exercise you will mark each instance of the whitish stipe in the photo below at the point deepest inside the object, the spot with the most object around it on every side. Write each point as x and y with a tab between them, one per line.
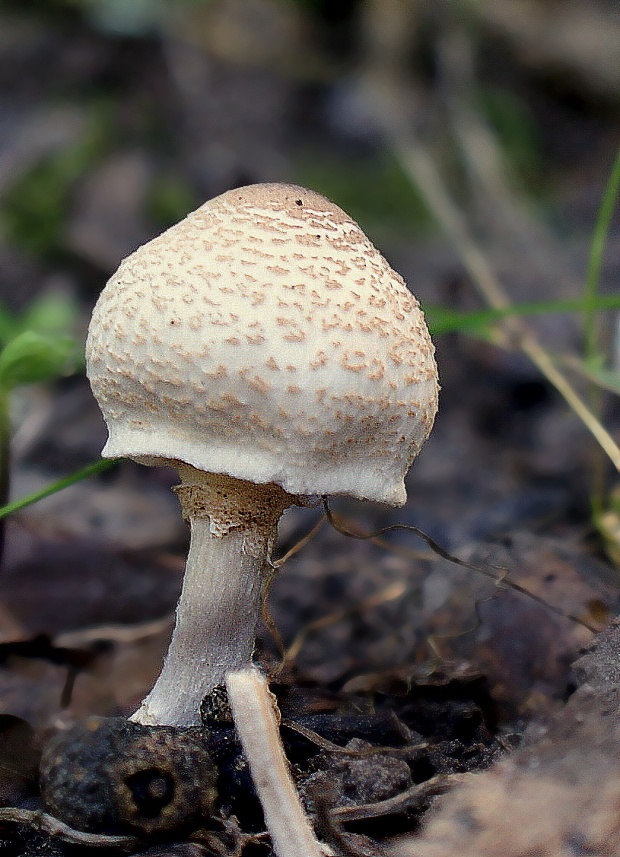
233	527
214	630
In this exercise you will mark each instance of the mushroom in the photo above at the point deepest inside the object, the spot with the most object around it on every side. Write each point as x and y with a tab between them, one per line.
266	349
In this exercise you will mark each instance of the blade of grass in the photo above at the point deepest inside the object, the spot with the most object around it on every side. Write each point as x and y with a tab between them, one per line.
59	485
593	357
595	262
442	320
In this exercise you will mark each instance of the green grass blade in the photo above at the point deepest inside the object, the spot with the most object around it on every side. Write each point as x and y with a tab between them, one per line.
595	262
65	482
442	320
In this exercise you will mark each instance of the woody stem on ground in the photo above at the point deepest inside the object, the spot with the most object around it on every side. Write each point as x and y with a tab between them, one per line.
256	721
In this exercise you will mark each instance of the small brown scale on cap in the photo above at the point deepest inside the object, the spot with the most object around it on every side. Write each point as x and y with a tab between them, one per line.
266	338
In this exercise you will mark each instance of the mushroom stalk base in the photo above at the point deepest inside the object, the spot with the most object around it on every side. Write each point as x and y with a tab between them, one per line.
220	600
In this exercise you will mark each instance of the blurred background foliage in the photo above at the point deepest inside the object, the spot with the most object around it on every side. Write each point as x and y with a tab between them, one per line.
204	94
119	116
193	96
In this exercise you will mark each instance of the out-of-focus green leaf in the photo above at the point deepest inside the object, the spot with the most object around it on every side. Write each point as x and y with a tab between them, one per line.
9	325
169	200
132	17
51	315
33	357
516	131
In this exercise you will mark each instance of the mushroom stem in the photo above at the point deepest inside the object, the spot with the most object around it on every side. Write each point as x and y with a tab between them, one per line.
214	629
233	526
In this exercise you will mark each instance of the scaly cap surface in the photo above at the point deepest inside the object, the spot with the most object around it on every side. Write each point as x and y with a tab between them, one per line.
266	338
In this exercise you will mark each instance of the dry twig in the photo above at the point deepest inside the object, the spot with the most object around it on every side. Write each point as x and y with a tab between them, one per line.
255	720
48	824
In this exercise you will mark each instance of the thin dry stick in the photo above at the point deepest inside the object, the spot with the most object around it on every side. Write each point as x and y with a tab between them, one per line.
49	824
255	720
501	580
392	592
303	541
389	593
421	170
266	616
119	634
439	784
406	750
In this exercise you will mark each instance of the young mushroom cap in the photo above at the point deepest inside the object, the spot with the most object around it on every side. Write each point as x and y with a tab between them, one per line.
264	337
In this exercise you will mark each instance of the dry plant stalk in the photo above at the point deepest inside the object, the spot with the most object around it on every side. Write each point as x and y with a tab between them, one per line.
254	715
